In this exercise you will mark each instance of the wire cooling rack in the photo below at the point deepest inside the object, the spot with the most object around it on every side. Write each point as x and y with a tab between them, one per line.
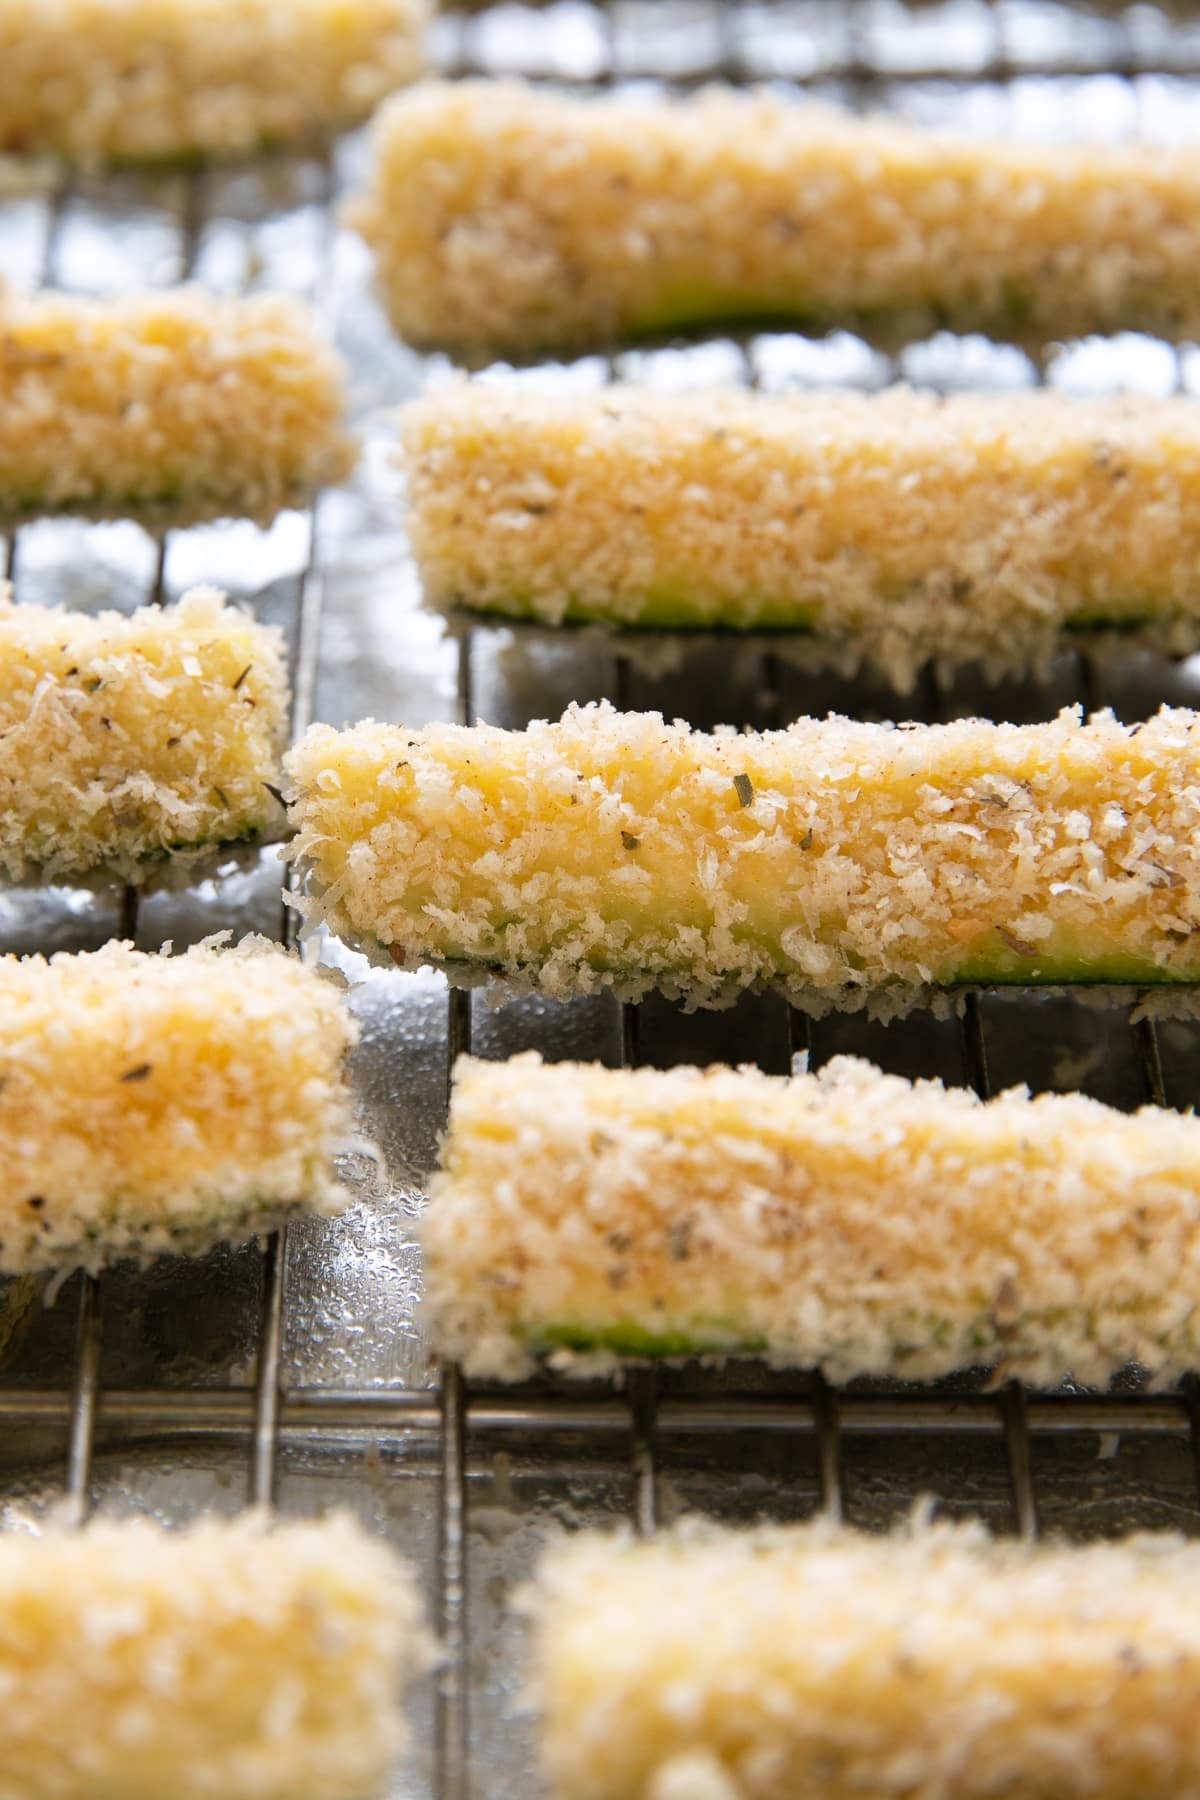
297	1372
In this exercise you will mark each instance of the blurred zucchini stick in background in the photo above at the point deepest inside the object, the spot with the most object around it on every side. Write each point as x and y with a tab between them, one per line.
815	1663
509	219
173	407
103	81
127	740
835	859
906	525
262	1661
153	1103
849	1221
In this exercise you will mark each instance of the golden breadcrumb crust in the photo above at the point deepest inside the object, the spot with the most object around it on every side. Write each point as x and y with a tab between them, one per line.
100	81
127	738
833	858
849	1220
813	1663
905	525
505	217
173	407
256	1660
155	1103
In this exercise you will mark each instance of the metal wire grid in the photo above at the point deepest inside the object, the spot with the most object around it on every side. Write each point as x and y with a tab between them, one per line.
85	1389
858	48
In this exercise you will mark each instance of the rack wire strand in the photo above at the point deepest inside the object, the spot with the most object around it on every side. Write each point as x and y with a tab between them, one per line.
84	1401
451	1713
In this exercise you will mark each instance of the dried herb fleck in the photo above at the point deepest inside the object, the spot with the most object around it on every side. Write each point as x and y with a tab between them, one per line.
275	793
237	684
807	840
630	842
222	796
139	1073
679	1240
744	788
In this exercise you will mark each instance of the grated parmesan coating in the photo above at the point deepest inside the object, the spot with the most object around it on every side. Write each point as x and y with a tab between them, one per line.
175	407
849	1221
123	739
505	217
99	81
906	525
239	1658
153	1103
816	1663
834	858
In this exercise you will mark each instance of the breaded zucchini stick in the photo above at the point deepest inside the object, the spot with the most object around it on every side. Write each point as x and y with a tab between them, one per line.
156	1103
904	524
849	1221
816	1663
833	858
174	407
256	1660
506	218
103	81
124	739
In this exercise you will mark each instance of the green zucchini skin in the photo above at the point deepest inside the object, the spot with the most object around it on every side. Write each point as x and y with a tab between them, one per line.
671	609
689	309
662	609
626	1339
996	968
978	1343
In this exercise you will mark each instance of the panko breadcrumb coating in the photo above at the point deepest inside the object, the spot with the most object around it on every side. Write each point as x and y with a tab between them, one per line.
903	524
509	218
98	81
815	1663
173	407
831	859
849	1221
153	1103
256	1660
124	739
